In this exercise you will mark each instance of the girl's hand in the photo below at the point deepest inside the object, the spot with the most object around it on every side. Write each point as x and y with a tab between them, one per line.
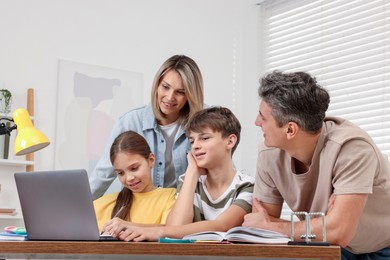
138	234
115	226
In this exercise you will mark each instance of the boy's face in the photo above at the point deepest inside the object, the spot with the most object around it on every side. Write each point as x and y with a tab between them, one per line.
209	148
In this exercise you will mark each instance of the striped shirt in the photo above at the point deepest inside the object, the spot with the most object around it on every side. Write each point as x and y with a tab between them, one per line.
239	193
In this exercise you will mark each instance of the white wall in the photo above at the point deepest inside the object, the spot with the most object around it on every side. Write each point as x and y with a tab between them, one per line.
134	35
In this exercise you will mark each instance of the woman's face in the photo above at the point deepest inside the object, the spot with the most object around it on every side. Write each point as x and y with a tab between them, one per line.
133	171
171	96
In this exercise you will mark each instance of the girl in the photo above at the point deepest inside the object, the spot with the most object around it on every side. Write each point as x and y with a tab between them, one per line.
139	201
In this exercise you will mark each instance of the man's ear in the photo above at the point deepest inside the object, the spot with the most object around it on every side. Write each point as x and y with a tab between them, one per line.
291	130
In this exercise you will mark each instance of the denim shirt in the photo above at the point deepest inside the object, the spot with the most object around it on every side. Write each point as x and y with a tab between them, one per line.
142	121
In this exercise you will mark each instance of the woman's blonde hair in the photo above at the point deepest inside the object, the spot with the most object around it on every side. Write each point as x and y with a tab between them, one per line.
193	86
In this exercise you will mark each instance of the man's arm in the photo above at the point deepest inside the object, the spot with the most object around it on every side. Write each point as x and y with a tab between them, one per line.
341	219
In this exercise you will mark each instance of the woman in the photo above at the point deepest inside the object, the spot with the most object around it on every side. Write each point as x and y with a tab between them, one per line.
177	93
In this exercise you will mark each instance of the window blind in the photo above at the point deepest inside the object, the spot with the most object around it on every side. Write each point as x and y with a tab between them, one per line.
345	45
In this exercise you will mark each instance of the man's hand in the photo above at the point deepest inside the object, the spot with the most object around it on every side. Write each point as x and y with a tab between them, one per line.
258	218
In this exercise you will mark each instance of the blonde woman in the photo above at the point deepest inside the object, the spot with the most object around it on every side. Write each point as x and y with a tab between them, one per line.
177	93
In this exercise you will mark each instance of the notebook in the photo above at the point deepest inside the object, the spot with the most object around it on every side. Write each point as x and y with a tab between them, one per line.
58	205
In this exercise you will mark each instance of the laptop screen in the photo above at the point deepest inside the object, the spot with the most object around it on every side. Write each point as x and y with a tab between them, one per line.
57	205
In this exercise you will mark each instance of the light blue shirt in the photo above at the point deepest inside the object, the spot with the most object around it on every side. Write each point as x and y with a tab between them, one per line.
142	121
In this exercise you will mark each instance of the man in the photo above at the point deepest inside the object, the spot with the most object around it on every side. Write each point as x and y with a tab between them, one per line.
319	164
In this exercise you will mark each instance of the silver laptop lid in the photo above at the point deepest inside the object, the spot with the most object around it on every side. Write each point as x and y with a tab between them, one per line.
57	205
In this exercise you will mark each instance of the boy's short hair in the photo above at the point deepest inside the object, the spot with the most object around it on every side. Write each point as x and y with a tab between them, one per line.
218	119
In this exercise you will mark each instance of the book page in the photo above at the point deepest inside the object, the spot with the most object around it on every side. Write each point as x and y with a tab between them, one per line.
207	235
242	235
256	235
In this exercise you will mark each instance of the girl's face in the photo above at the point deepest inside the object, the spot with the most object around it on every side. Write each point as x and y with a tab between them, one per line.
134	171
171	96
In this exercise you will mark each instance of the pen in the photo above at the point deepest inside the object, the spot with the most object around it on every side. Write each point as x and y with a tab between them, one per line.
119	211
190	241
116	215
174	240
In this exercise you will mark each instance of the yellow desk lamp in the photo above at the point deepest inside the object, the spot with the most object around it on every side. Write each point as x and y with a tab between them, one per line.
28	139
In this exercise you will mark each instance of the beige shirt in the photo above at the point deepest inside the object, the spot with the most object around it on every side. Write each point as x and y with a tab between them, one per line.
345	161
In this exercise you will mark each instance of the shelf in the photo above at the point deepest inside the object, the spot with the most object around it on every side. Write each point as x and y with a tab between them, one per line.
17	216
8	194
8	116
2	115
13	162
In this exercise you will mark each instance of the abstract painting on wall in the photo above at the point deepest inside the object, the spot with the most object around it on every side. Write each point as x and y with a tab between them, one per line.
90	99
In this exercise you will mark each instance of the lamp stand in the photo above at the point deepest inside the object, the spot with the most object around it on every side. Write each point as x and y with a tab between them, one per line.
30	110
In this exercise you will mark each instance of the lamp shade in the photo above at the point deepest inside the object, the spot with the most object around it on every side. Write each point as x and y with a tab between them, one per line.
28	139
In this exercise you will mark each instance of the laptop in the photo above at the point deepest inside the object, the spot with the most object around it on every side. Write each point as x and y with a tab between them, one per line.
58	205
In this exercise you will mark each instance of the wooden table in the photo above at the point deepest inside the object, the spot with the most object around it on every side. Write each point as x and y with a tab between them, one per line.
149	250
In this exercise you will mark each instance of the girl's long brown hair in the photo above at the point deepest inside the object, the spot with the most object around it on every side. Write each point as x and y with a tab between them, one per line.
134	143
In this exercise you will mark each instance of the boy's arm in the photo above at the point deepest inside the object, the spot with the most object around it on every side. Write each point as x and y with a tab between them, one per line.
341	219
183	211
230	218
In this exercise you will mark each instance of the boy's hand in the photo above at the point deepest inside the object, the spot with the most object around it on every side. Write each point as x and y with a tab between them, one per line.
193	167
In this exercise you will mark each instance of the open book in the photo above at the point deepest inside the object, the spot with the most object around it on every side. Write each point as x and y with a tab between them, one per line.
242	235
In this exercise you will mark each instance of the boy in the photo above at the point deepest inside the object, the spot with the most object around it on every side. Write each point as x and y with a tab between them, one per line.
212	194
